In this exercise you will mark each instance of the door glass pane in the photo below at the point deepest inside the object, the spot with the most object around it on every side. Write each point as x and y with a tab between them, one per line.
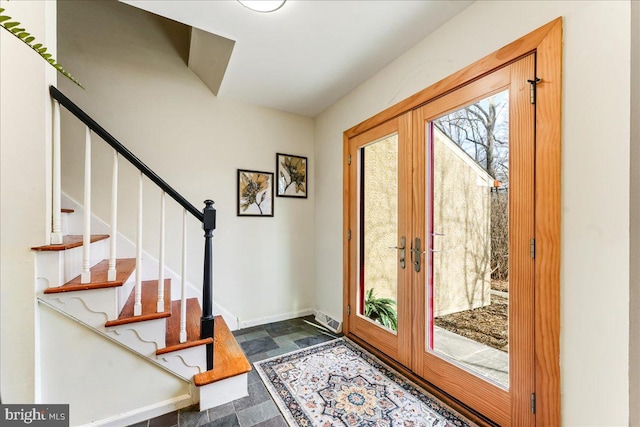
378	260
468	238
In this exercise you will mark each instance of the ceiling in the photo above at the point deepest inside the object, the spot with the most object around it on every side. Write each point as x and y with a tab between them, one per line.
310	53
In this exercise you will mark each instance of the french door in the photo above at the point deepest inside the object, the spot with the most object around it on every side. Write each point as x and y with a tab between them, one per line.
441	261
380	291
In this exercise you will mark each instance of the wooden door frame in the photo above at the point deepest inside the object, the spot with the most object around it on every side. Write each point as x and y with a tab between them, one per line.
546	43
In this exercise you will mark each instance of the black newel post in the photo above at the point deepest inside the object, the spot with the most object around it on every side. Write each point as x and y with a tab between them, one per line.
206	322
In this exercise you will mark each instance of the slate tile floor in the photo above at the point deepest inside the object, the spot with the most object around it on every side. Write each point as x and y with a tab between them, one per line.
257	409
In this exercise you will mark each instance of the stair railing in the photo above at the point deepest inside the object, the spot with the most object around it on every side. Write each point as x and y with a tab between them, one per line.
207	217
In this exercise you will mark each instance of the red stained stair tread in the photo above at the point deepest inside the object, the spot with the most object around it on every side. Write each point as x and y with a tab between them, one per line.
69	242
149	304
124	268
228	358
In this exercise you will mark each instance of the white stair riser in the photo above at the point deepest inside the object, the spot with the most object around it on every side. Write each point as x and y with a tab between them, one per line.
221	392
187	362
73	258
75	220
64	217
59	267
125	290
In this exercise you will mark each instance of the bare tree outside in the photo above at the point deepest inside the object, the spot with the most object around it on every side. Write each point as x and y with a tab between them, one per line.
482	131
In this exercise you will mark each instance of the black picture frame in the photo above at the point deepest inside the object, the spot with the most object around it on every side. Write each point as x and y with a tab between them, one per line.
291	175
254	193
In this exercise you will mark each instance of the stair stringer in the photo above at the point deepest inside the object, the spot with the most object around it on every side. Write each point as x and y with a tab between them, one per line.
143	338
129	338
150	264
171	403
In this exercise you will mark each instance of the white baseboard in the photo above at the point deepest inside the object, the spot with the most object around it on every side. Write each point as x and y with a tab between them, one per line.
277	318
145	413
232	321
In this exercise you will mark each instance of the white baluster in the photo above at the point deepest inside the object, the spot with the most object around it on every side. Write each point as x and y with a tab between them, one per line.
111	274
183	297
56	226
161	258
137	306
86	234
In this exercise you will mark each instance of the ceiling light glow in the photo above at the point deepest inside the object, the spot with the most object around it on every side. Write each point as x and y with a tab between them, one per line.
262	5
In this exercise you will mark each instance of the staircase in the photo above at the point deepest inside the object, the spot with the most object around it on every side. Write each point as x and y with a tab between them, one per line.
100	281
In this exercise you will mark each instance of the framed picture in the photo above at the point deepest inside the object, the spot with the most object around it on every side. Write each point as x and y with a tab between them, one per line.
255	193
292	176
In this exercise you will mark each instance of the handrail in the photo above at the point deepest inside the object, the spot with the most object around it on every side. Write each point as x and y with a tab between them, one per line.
121	149
207	216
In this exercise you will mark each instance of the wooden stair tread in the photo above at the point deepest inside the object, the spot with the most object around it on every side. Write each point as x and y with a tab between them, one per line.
124	268
228	358
172	339
149	304
65	210
69	242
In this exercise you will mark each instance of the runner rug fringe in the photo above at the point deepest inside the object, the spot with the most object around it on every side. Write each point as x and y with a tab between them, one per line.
337	383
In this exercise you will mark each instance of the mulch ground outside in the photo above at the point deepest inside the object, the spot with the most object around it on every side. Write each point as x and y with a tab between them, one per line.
500	285
488	325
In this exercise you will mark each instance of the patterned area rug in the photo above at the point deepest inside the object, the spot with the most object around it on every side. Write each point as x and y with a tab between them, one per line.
339	384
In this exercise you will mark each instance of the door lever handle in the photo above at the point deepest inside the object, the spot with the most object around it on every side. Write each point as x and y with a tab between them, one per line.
402	249
415	255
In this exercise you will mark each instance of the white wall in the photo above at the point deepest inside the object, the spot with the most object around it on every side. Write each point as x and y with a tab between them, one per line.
595	182
97	378
24	127
634	229
139	88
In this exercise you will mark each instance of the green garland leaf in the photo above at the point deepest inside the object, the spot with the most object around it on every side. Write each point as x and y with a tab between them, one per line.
12	27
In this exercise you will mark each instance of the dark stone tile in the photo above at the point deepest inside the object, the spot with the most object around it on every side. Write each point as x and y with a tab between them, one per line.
192	417
284	331
258	413
258	357
273	422
252	335
309	341
283	350
221	411
248	330
166	420
258	345
257	394
253	376
276	326
140	424
228	421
